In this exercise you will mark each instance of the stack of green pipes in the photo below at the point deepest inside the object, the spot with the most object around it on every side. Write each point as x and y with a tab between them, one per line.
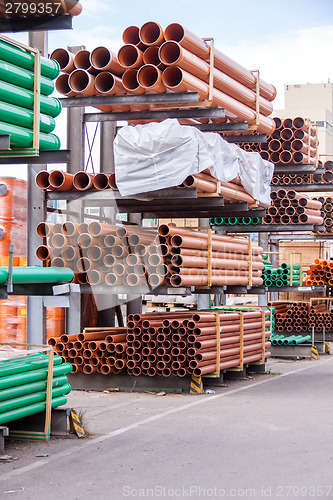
292	340
17	98
280	276
232	221
23	382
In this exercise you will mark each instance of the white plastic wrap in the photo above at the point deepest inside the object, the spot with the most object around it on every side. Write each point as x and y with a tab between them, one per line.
161	155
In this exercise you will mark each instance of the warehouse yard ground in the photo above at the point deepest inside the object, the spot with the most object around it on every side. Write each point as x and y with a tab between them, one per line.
268	436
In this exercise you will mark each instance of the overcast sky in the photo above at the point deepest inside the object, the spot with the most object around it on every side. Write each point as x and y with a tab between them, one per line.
288	41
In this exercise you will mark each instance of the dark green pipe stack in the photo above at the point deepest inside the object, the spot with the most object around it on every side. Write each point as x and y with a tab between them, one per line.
17	98
280	276
232	221
23	385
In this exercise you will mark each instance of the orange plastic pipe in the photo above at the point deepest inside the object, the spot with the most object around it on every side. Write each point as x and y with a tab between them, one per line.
102	59
62	85
108	84
82	83
150	78
129	56
61	181
65	59
131	35
151	33
82	61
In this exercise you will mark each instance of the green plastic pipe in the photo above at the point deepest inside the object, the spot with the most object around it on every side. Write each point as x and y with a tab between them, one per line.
27	366
30	399
246	221
23	138
13	94
268	283
287	340
232	221
30	410
20	57
5	362
37	274
303	339
279	283
34	376
24	78
9	113
22	390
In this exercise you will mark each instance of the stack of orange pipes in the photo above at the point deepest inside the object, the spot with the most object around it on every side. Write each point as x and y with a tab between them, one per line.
327	176
192	343
320	273
294	141
174	60
290	207
82	181
114	255
290	316
326	213
101	350
286	179
320	316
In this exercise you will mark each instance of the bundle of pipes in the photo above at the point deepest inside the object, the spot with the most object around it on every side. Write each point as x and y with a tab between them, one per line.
321	316
17	98
327	214
290	316
33	9
327	176
173	60
101	350
115	255
204	182
284	275
292	340
294	141
13	216
23	384
290	207
231	221
196	343
320	273
286	179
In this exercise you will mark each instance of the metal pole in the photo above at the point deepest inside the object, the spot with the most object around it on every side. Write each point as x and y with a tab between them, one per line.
203	300
134	305
75	143
263	242
106	305
36	327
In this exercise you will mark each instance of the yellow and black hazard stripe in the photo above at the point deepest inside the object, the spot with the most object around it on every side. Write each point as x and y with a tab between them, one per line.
327	348
75	424
196	385
314	352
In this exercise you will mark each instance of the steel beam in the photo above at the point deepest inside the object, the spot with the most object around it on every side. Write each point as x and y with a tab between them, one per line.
116	100
155	115
45	23
281	168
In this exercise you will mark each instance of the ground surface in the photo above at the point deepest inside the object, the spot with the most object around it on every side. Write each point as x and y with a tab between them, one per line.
270	436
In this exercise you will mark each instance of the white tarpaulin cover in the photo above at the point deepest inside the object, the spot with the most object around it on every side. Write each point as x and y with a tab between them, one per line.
161	155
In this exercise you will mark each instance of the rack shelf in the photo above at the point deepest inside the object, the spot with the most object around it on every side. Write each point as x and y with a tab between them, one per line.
315	188
59	156
265	228
45	23
153	203
38	290
281	168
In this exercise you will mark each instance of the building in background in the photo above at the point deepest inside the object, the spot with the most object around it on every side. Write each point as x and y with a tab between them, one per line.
313	101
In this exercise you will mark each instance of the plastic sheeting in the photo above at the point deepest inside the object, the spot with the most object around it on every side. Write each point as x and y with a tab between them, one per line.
161	155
